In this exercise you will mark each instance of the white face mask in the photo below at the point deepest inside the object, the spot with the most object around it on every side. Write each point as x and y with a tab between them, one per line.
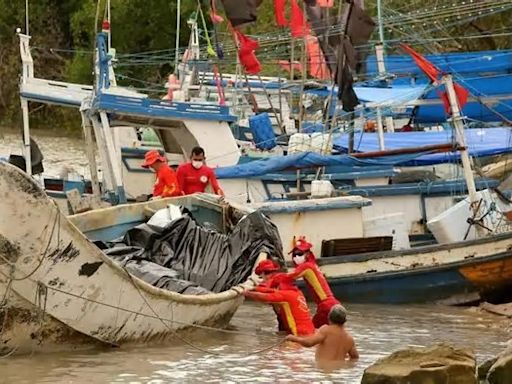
299	259
197	164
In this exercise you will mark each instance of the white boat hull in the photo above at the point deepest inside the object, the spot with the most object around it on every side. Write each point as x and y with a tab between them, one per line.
51	271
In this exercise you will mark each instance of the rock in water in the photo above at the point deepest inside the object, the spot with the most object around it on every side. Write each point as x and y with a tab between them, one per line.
501	370
483	369
439	364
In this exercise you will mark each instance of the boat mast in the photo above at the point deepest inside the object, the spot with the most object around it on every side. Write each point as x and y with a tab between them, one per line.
177	51
459	132
381	24
28	71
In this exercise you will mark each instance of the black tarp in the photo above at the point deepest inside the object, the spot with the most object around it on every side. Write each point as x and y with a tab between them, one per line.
187	258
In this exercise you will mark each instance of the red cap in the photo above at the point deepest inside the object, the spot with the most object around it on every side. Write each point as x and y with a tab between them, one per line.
105	26
266	266
151	157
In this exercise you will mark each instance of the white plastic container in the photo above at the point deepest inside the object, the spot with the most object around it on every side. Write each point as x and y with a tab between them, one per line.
321	142
321	188
299	142
451	225
389	225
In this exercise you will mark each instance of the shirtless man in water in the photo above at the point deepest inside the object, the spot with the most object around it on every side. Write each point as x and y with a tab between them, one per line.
334	343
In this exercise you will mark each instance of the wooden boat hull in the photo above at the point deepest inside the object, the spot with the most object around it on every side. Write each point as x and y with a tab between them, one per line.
453	273
56	287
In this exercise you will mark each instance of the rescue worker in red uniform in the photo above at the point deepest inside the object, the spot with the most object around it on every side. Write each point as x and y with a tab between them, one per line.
194	177
166	184
289	302
318	287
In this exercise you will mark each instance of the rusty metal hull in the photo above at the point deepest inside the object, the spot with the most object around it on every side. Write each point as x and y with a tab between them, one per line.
59	291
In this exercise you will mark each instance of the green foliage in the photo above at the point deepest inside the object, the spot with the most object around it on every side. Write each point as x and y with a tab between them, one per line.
149	26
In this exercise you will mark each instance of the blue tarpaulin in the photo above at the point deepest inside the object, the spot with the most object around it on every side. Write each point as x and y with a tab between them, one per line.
480	142
462	63
306	160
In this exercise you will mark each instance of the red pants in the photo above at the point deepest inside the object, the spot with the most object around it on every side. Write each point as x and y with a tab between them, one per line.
322	311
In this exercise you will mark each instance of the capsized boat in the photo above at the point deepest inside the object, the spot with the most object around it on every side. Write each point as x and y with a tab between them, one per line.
58	290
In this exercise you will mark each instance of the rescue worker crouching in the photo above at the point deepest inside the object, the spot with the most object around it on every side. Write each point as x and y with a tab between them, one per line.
166	183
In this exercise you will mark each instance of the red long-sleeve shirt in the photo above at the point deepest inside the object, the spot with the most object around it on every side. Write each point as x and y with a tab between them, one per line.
192	180
166	184
314	279
292	309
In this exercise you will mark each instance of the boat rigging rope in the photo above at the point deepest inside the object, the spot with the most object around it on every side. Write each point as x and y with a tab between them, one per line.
259	351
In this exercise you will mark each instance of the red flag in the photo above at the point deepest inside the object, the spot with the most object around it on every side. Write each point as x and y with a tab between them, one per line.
462	96
426	66
246	53
279	6
298	25
433	72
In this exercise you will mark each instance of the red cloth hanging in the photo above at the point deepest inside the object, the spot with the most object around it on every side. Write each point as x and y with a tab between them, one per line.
462	96
426	66
317	66
432	73
246	54
298	24
279	10
325	3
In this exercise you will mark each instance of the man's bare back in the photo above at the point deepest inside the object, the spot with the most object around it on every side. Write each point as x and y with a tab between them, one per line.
333	342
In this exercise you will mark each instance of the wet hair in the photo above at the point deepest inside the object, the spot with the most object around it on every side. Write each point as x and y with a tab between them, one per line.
198	151
338	315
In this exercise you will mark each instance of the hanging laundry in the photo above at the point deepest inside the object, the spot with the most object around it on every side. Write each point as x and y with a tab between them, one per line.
241	11
319	23
346	92
248	59
317	65
359	28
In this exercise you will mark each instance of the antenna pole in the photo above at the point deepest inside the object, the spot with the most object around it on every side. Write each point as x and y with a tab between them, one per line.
381	24
26	18
177	52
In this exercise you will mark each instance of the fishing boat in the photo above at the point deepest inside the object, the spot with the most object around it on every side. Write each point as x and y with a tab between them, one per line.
59	290
457	273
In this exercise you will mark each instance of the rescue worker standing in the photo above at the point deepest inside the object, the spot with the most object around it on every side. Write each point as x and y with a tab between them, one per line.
318	287
288	301
166	184
194	176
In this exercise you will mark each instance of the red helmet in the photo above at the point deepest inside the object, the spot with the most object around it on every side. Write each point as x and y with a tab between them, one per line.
266	266
302	244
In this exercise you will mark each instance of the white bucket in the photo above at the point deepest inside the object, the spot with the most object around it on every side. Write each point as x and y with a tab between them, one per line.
321	188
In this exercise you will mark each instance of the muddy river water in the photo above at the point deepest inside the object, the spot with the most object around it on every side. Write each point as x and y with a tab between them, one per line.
218	357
